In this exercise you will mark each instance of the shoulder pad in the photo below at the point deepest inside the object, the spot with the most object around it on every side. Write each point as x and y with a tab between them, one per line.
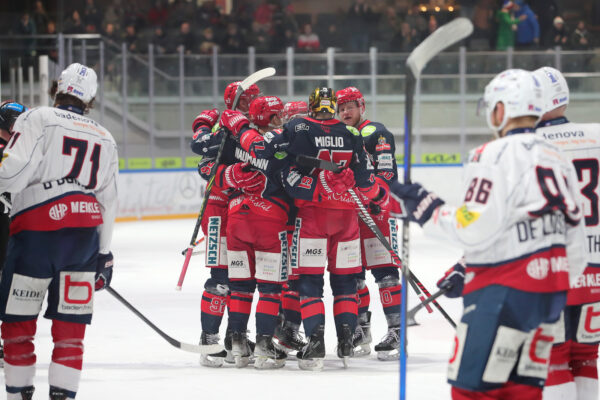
368	130
352	129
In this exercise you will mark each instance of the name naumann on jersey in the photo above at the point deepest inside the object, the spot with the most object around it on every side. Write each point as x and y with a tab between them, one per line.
243	156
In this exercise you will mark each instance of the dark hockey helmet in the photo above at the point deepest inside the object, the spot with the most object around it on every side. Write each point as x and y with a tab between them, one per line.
262	109
249	94
9	111
322	99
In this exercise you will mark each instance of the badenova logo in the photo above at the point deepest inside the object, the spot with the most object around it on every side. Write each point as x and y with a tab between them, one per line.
58	211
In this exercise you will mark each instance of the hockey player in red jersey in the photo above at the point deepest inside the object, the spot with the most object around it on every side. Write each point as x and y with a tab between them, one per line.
573	370
214	223
257	246
61	168
294	109
379	143
520	228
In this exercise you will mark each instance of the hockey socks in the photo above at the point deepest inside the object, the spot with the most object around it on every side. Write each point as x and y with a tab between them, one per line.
267	311
345	312
240	306
509	390
212	309
290	303
390	295
19	357
67	357
313	313
364	297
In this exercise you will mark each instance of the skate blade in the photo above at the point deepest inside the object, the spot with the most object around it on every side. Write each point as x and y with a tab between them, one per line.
315	364
362	350
282	347
262	362
391	355
345	361
211	362
241	362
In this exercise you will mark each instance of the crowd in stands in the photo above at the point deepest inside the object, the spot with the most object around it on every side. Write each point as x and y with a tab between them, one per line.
270	26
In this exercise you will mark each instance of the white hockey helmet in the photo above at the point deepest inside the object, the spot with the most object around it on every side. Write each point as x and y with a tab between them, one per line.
520	92
79	81
554	88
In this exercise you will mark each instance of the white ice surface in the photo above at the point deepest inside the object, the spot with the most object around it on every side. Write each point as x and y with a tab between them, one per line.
126	359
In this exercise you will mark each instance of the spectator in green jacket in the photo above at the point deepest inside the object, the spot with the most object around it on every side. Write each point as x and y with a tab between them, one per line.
507	25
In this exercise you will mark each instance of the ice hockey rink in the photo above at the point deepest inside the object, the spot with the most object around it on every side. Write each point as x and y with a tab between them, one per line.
126	359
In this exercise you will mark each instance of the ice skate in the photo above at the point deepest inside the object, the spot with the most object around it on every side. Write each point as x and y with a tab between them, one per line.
288	338
240	349
267	356
214	360
345	348
389	347
312	356
362	336
27	393
58	393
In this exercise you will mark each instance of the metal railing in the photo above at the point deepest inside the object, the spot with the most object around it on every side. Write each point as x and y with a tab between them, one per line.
148	100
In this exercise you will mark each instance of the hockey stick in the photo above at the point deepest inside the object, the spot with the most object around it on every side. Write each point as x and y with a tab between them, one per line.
410	315
440	39
196	243
416	284
244	85
192	348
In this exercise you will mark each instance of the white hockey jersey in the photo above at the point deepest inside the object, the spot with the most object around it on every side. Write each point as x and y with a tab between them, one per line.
61	168
519	224
581	144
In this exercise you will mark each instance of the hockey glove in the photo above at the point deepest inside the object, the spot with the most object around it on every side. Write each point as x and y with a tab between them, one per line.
380	202
332	182
453	280
238	176
207	118
256	188
419	203
234	121
104	270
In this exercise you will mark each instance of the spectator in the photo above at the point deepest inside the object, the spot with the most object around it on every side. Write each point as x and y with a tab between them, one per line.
545	10
360	18
580	39
507	26
234	42
186	38
48	46
417	22
560	36
333	38
110	32
158	14
112	16
92	15
74	24
210	14
264	14
308	41
259	38
388	27
432	25
406	40
528	31
40	18
160	41
207	41
25	26
133	41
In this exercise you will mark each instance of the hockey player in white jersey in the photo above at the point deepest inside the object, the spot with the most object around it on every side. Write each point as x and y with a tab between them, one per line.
573	371
61	168
519	226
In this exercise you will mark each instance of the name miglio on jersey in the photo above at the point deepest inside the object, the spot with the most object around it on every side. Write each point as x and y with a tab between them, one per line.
329	141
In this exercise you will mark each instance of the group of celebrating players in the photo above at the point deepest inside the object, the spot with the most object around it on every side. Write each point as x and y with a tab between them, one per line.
527	225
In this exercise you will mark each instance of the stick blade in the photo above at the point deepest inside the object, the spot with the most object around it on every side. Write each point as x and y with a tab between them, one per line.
443	37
